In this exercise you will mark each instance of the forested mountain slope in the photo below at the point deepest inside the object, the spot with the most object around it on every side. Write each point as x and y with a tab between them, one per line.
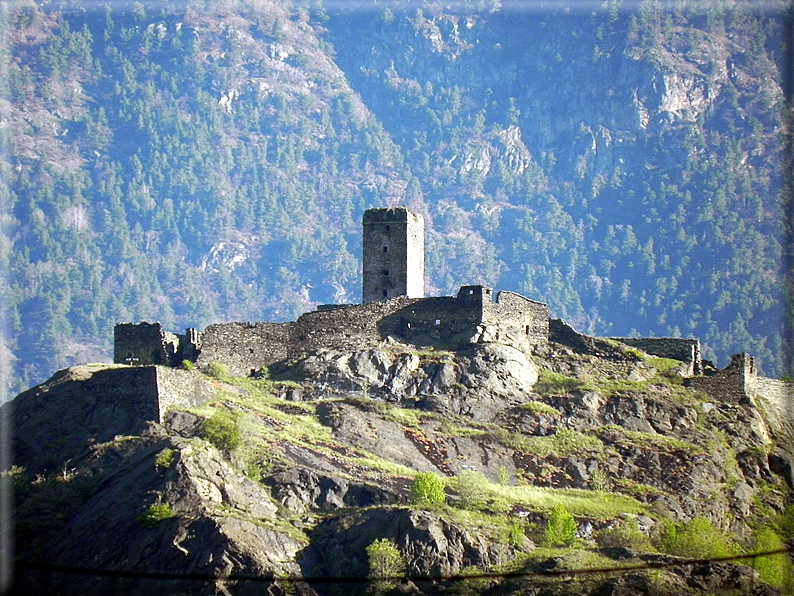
210	161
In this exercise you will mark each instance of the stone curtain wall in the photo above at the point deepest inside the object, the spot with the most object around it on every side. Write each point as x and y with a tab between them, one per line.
443	322
777	395
728	384
685	350
133	389
244	347
179	389
351	326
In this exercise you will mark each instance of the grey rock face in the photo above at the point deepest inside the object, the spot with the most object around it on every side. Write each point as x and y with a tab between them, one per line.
478	382
430	544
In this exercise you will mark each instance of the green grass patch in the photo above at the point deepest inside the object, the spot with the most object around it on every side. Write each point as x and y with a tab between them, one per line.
477	493
387	411
164	459
538	407
563	442
155	513
552	383
620	435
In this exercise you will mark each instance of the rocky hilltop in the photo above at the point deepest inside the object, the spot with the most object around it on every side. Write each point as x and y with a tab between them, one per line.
282	484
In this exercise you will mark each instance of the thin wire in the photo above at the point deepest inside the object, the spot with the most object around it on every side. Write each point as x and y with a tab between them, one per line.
238	577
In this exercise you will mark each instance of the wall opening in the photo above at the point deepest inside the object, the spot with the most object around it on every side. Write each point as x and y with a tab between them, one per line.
385	292
385	249
386	273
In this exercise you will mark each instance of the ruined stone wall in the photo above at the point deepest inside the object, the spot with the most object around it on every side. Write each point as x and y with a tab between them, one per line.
244	347
562	333
345	327
776	395
730	383
141	344
180	389
133	389
518	321
443	322
685	350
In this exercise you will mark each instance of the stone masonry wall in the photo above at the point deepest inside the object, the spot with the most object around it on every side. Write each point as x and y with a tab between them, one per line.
180	389
728	384
133	389
141	344
393	254
778	396
351	326
519	321
244	347
444	322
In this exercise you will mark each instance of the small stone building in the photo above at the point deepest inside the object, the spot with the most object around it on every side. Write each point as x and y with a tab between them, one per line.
146	344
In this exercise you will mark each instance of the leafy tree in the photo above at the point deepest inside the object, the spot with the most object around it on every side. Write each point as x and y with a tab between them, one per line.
386	562
560	527
427	489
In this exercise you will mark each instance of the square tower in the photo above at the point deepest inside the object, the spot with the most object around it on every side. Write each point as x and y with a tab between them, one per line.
394	254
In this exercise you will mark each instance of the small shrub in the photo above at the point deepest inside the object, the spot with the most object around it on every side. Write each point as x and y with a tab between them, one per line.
164	459
696	539
516	533
560	528
473	490
188	365
427	489
626	533
599	480
222	430
385	563
155	513
218	370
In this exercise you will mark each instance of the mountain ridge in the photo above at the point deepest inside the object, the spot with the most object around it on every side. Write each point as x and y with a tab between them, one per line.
196	164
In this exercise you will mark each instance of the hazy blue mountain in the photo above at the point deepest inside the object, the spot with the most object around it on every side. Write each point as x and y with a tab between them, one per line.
210	161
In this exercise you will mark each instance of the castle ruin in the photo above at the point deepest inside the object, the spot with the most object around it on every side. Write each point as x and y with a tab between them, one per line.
394	309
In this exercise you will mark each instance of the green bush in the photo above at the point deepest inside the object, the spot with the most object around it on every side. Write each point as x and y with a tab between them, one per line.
155	513
222	430
560	528
218	370
427	489
188	365
504	476
696	539
473	490
165	458
385	563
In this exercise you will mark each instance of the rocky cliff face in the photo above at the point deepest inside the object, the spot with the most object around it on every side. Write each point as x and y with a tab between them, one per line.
294	477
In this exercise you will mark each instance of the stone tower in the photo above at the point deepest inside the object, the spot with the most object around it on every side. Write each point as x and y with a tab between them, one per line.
394	254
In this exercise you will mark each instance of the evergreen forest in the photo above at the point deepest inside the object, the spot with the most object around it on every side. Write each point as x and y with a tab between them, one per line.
205	161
